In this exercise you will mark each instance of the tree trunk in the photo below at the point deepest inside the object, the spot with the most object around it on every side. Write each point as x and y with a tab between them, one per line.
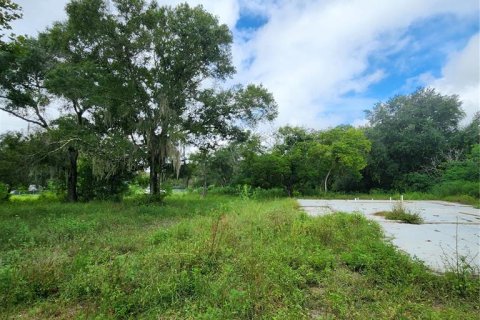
204	191
153	175
289	189
72	175
326	180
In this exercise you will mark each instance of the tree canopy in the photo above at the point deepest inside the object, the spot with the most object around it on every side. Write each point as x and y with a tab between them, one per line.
136	77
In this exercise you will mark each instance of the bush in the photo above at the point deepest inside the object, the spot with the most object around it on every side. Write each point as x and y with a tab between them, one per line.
458	187
4	195
109	187
399	212
463	199
246	191
50	196
273	193
135	190
228	190
415	181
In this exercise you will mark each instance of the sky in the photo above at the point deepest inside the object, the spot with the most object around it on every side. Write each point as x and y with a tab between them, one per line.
326	61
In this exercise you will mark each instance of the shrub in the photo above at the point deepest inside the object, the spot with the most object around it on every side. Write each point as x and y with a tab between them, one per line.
399	212
228	190
246	191
457	187
4	195
269	193
416	181
50	196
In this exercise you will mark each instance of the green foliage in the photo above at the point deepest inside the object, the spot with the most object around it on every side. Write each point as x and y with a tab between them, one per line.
267	171
461	270
467	169
273	193
147	199
131	77
416	182
50	196
246	192
461	177
4	194
459	187
305	160
9	11
400	213
12	160
112	186
408	132
136	74
26	160
219	257
133	91
24	94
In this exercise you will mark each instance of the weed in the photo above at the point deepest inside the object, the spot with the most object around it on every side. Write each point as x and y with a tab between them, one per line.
400	213
215	258
4	195
461	270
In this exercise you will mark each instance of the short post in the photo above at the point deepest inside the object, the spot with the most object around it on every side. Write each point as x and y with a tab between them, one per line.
390	199
401	198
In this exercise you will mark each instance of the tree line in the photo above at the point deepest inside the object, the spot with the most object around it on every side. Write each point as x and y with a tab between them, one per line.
415	142
116	91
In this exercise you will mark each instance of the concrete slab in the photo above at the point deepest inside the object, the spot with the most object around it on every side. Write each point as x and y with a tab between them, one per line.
448	229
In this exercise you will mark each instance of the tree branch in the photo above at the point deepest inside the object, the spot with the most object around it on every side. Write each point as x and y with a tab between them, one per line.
40	123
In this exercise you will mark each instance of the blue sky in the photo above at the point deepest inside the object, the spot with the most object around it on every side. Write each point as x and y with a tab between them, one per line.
326	61
384	58
432	40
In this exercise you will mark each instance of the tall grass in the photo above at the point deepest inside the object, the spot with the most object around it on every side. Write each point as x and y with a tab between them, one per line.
214	258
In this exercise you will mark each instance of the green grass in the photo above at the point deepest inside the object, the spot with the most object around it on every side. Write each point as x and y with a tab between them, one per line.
214	258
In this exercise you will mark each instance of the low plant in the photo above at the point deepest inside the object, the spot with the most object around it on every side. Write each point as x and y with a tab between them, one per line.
4	195
400	213
219	257
461	269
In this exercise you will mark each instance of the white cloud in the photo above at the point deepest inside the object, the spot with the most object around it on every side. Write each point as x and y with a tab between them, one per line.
227	11
37	15
310	53
10	123
461	75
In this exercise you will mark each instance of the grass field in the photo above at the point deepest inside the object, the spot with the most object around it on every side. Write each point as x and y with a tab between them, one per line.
214	258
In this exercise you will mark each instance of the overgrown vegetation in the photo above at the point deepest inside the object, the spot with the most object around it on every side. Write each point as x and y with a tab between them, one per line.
130	84
127	114
400	213
138	83
214	258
